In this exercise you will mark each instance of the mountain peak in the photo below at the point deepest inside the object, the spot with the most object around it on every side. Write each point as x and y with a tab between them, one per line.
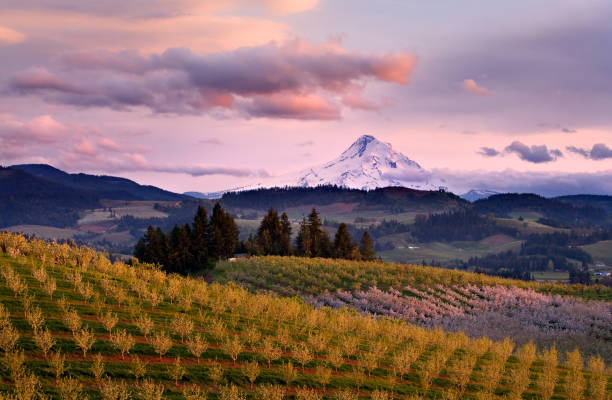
368	164
360	146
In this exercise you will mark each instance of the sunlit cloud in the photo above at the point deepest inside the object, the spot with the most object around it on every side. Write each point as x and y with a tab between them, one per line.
10	36
290	80
471	86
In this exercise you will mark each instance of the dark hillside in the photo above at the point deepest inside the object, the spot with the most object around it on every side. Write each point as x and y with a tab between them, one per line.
107	187
27	199
391	198
502	205
589	200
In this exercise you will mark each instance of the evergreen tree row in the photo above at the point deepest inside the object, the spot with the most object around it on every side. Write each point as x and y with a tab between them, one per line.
188	248
274	238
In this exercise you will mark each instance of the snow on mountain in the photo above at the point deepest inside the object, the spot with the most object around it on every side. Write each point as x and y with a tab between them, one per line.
368	164
477	194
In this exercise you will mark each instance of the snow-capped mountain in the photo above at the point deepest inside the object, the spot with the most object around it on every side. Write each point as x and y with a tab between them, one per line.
367	164
477	194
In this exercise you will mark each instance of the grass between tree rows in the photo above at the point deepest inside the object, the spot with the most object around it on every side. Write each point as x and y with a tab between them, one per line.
73	324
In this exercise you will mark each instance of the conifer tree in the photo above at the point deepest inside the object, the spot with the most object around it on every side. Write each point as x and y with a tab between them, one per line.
151	248
303	240
223	233
269	234
366	247
199	238
314	224
343	243
285	241
320	243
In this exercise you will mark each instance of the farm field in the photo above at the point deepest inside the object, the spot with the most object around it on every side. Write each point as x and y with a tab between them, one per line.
438	251
600	251
477	304
137	209
528	226
560	276
44	232
73	324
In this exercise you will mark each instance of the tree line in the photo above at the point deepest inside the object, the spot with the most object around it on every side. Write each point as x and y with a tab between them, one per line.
199	245
274	238
190	247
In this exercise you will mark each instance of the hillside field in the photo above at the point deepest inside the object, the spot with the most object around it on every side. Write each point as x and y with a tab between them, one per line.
74	324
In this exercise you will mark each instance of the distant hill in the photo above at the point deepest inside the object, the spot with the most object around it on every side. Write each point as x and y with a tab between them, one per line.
397	199
106	187
584	200
43	195
200	195
477	194
25	198
552	210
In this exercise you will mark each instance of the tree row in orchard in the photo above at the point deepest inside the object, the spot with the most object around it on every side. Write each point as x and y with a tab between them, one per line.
200	245
274	238
191	247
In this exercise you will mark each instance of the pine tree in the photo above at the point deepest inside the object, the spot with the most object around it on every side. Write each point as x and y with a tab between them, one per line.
314	224
285	241
343	243
320	243
151	248
269	233
303	240
366	247
199	238
251	245
223	233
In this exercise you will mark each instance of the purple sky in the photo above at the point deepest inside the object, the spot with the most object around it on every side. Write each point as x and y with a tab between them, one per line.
193	95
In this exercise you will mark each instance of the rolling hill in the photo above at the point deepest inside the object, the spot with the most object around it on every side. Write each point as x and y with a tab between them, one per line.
39	194
78	325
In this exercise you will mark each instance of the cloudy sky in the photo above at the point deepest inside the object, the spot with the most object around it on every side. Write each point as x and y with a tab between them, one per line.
199	95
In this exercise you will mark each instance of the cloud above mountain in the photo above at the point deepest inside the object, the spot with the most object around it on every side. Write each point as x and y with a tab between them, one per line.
295	79
77	147
488	152
599	151
543	183
535	154
471	86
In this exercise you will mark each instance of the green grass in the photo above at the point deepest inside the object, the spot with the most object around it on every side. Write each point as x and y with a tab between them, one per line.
43	232
443	252
313	276
560	276
242	315
528	226
600	251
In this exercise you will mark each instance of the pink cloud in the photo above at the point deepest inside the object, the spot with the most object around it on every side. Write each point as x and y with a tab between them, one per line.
86	148
109	144
283	7
43	129
394	67
81	148
10	36
354	99
276	79
134	162
303	107
471	86
40	79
